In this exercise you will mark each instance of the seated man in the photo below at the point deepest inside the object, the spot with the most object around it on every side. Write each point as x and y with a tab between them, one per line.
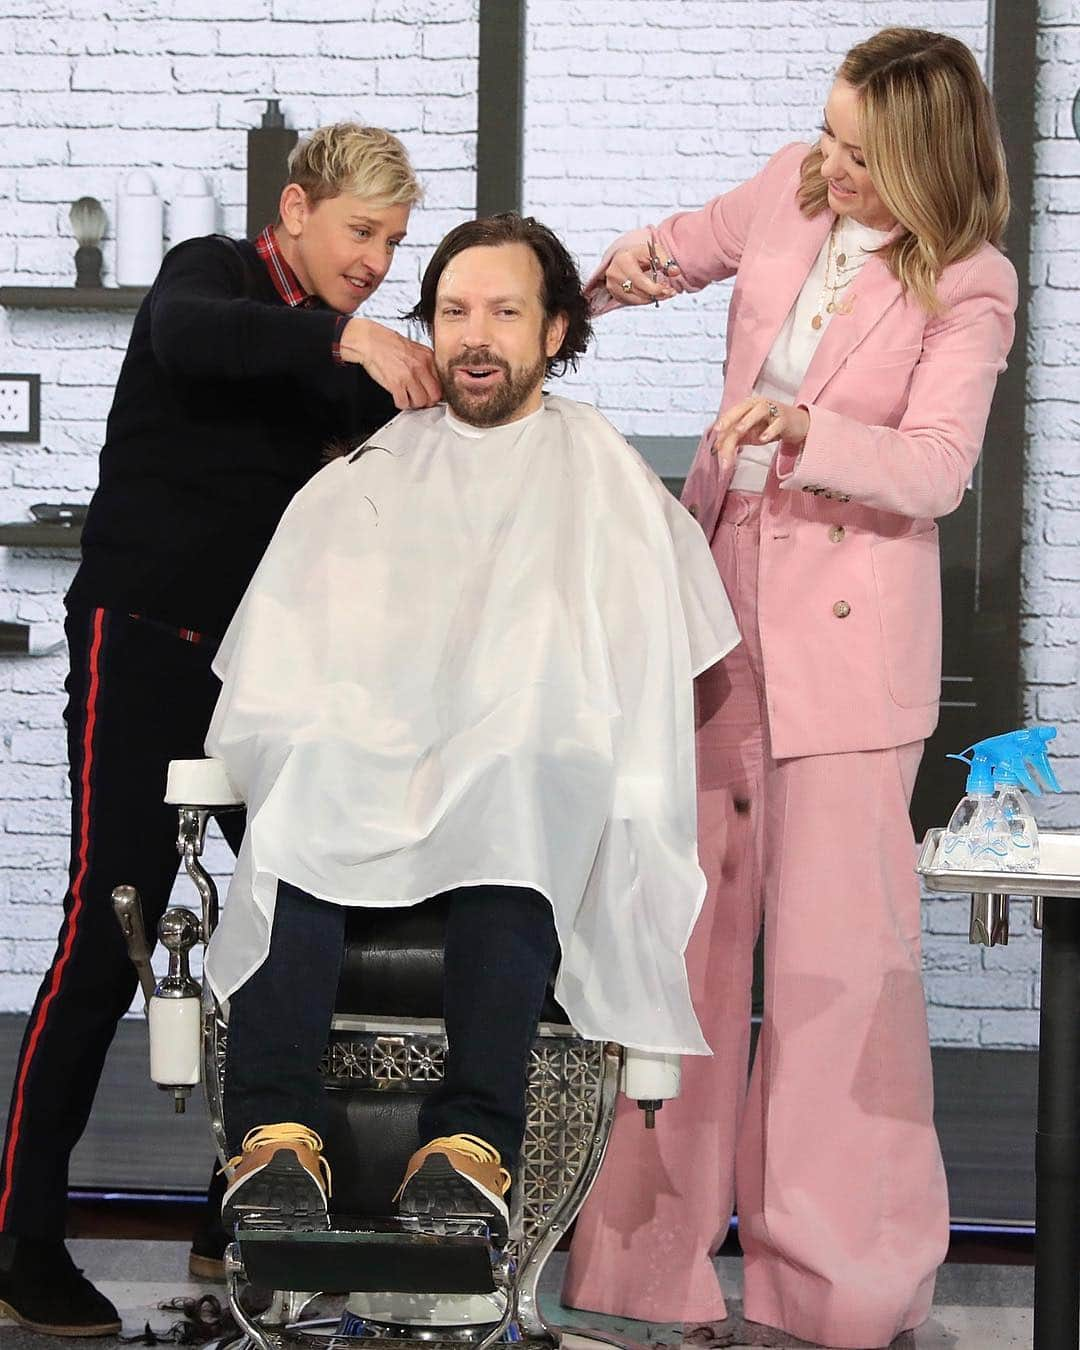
465	665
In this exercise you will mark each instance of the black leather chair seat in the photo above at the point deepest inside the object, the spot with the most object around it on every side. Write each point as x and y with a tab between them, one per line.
393	963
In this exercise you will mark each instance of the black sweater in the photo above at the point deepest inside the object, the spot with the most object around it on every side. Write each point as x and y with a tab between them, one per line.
227	399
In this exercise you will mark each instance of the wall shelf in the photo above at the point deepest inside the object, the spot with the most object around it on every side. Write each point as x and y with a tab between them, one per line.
72	297
14	639
25	639
39	534
54	525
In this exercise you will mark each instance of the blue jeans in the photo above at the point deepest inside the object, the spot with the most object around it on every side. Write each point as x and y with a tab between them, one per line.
499	951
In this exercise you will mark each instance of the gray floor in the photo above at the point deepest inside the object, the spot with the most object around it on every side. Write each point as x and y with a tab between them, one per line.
984	1109
977	1307
985	1114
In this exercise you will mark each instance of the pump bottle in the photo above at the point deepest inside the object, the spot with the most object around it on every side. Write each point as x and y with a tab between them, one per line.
268	148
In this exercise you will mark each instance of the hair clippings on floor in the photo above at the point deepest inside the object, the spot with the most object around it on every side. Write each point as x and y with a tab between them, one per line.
204	1320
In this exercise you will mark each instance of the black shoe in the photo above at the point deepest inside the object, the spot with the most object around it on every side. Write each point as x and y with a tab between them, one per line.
41	1288
206	1260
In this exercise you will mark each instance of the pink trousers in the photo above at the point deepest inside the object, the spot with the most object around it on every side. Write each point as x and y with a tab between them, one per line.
830	1153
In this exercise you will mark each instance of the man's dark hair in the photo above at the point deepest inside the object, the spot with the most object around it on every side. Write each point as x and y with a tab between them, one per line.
560	288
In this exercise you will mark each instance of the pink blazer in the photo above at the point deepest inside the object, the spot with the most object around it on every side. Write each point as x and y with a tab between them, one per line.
850	619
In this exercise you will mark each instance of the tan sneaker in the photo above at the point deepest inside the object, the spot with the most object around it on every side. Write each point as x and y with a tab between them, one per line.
457	1176
278	1173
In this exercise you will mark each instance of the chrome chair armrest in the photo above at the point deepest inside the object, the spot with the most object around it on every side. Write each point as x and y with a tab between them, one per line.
200	788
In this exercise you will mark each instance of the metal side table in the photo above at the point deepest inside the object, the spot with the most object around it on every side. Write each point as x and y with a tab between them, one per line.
1054	890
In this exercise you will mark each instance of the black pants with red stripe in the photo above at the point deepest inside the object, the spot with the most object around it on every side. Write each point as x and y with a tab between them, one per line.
138	696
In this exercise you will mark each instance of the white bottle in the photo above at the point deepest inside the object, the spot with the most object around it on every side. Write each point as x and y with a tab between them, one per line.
139	235
193	212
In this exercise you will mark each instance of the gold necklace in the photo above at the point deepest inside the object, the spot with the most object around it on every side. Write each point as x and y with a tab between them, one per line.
842	274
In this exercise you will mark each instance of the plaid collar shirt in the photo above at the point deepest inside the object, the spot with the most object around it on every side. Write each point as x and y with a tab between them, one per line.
287	284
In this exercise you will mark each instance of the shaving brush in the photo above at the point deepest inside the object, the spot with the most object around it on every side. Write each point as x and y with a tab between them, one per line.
87	217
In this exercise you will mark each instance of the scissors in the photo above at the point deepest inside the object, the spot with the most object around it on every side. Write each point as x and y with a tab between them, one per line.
654	267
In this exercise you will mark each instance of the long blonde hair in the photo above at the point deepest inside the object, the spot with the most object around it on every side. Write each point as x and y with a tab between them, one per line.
930	138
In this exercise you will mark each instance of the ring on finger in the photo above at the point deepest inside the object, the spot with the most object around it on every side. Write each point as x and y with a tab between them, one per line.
628	285
773	410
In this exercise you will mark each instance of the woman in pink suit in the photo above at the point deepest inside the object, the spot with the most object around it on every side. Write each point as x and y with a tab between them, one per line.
871	316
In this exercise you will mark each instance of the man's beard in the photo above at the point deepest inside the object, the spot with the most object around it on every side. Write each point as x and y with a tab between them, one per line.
490	407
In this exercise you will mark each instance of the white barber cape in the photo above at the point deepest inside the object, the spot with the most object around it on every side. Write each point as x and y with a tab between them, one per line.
466	657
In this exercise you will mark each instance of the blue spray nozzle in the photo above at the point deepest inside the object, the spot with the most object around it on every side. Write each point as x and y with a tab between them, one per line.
1015	757
980	781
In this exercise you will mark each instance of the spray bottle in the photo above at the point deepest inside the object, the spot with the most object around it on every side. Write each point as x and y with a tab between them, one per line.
971	824
992	829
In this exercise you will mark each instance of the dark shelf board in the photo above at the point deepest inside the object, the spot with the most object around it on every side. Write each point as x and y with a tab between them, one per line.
14	639
72	297
30	534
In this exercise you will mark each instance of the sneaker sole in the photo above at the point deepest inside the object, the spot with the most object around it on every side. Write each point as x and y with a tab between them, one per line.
440	1191
284	1191
206	1268
55	1329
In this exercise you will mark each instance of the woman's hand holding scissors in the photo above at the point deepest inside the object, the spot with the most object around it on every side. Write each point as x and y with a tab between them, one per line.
636	276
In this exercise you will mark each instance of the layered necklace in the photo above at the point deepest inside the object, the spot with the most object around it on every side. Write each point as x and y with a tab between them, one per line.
840	271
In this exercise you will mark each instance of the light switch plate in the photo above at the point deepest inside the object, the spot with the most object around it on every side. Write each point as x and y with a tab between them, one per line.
20	407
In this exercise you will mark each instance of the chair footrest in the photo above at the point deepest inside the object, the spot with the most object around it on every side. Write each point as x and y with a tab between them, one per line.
395	1256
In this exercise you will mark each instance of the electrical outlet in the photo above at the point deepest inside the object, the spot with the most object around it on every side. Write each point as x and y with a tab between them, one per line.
20	407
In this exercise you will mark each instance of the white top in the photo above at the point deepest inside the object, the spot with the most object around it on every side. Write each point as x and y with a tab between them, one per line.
475	433
785	366
469	658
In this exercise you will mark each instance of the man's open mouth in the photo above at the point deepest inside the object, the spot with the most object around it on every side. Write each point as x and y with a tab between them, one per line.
360	284
479	377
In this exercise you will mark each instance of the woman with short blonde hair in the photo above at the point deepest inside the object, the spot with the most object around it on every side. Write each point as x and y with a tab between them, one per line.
247	358
871	316
346	159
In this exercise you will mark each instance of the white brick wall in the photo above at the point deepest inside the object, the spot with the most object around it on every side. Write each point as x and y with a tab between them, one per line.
634	107
638	109
1050	566
1051	597
163	86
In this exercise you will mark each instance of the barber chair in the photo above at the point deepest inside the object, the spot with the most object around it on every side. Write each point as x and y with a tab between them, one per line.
408	1281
